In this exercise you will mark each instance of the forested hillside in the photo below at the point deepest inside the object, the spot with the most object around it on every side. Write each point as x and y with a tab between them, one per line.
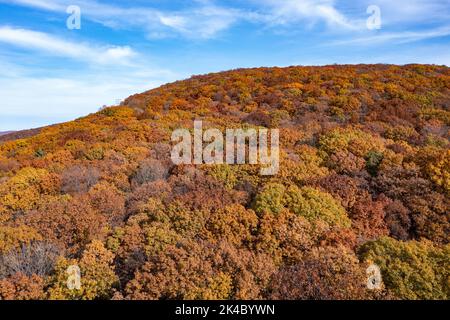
364	179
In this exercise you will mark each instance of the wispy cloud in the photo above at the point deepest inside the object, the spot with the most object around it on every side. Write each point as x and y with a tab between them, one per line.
42	4
412	12
204	19
310	11
52	45
396	37
201	21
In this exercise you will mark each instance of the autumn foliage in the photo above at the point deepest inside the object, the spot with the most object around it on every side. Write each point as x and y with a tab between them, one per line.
364	179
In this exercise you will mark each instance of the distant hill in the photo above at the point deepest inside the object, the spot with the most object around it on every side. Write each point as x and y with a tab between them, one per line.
14	135
364	184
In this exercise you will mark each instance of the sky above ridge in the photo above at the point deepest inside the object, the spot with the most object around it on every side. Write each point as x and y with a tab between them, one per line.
60	60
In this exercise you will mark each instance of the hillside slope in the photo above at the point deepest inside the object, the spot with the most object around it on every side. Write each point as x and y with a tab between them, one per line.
364	179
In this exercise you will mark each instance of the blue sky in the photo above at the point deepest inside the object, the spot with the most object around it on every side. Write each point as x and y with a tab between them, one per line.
50	73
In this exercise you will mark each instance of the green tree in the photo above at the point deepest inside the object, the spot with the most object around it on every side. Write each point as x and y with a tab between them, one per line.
411	270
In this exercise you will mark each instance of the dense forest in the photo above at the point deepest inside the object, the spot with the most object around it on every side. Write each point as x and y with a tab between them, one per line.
364	179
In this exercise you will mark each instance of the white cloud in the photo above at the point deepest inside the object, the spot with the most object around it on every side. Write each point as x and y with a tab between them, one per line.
204	21
312	11
118	53
42	4
56	46
396	37
175	22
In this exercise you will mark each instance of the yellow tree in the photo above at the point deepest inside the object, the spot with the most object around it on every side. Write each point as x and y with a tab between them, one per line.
97	277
